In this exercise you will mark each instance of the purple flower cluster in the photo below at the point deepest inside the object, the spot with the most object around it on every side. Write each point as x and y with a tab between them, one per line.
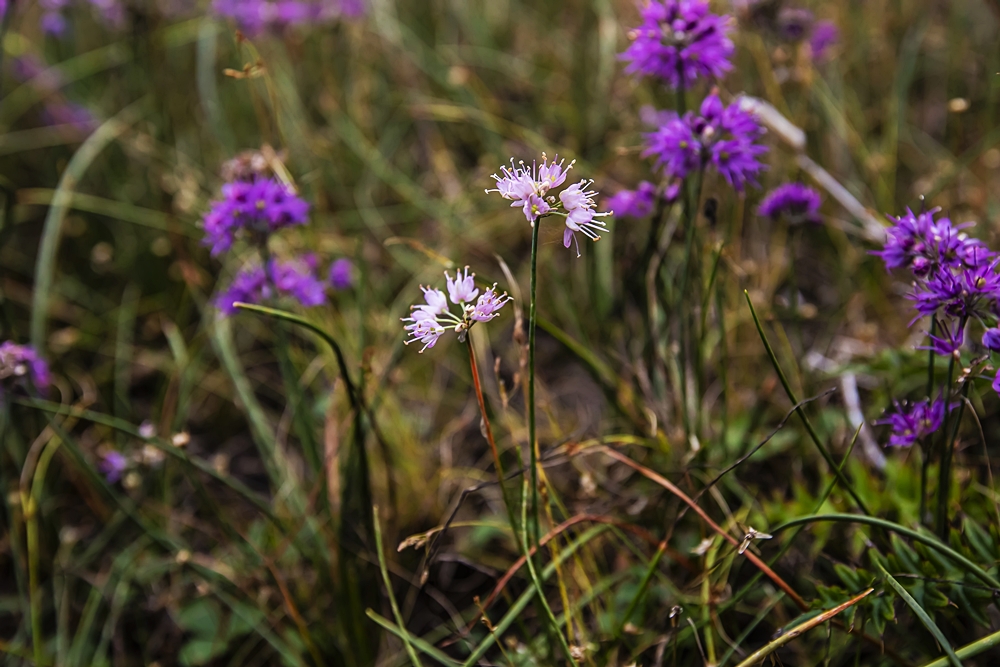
20	364
636	203
724	137
791	24
679	41
428	321
955	282
794	201
259	207
113	463
528	188
911	422
296	279
53	21
258	16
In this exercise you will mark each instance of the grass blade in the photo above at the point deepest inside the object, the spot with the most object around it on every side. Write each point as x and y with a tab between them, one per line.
921	614
388	589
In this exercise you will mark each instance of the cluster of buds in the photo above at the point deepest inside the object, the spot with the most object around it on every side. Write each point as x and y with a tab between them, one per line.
428	321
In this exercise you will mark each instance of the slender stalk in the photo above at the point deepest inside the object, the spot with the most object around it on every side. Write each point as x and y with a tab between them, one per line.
925	447
488	429
532	432
944	480
944	472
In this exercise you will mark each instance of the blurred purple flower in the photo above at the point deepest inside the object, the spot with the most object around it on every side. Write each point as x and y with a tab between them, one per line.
795	201
911	422
725	137
991	339
112	465
23	363
260	207
824	35
636	203
296	279
794	23
257	16
342	274
679	41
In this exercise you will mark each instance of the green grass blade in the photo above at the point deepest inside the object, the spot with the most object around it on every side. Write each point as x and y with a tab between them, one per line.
388	589
429	650
969	650
45	264
841	476
921	614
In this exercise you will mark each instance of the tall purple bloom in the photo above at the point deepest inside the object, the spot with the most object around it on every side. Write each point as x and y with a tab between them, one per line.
725	137
342	274
636	203
824	35
112	465
912	421
295	279
922	244
679	41
797	202
20	364
966	293
257	16
258	207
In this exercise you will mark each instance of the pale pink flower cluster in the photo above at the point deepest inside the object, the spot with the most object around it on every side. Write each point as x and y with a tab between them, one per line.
529	188
428	321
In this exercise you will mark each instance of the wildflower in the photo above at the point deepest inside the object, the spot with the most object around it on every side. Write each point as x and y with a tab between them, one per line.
258	16
259	207
794	23
991	339
636	203
580	215
530	189
824	35
23	364
112	465
911	422
679	41
795	201
526	188
296	279
996	382
725	137
969	292
430	320
949	343
342	274
921	243
463	288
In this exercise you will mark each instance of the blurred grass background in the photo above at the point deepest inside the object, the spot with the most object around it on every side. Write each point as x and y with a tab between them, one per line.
231	549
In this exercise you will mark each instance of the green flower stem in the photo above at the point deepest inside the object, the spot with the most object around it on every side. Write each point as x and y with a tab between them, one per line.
948	433
925	448
532	430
